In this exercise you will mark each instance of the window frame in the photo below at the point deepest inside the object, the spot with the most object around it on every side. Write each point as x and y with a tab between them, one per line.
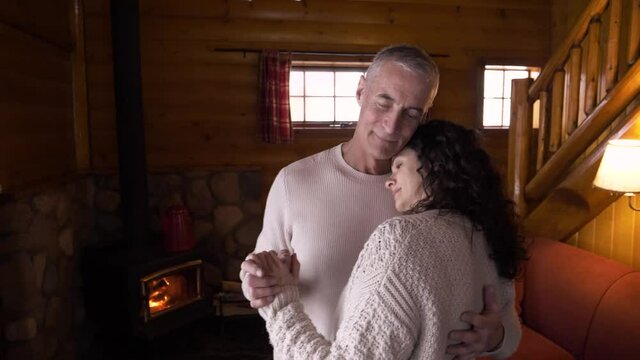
332	66
531	67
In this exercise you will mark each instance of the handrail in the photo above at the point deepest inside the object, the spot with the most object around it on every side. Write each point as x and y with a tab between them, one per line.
578	183
576	35
612	105
580	95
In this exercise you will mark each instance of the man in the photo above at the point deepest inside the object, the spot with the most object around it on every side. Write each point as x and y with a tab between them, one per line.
324	207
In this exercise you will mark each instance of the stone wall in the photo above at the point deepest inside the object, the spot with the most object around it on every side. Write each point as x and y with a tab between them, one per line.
40	238
226	209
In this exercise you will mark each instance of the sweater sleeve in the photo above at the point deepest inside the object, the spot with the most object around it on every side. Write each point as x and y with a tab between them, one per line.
276	226
511	323
381	321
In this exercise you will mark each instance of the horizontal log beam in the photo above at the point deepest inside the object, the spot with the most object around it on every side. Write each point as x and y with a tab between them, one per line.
619	97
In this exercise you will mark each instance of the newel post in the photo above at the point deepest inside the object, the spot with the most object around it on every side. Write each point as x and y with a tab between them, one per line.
520	130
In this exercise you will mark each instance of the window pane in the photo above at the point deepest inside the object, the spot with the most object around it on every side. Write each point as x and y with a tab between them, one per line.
510	75
297	108
318	83
347	109
506	112
492	112
493	81
296	83
319	109
347	83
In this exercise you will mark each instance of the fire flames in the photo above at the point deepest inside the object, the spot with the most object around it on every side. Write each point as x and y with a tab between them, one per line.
167	292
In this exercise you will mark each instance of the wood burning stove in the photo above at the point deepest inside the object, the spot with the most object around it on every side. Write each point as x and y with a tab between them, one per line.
170	289
134	287
145	295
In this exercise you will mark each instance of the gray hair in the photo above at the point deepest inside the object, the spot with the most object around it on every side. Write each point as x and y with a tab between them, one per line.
411	57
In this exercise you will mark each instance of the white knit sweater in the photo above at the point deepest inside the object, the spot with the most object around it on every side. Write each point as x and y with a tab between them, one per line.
413	279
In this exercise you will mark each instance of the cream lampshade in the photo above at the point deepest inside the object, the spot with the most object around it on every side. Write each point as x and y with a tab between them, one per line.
620	167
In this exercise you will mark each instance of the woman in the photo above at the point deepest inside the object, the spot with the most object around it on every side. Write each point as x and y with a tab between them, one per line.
419	271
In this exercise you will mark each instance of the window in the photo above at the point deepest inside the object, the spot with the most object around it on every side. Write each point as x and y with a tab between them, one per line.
324	96
496	105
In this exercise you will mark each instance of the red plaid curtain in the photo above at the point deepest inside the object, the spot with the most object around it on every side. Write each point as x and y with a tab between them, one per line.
274	116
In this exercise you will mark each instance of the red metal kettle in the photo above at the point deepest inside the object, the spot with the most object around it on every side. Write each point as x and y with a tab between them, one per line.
177	228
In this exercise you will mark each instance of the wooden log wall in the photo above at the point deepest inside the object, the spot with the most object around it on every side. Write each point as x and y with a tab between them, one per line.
200	103
36	110
564	14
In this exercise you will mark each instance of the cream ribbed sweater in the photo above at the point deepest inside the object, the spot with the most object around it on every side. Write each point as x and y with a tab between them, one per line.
324	210
413	279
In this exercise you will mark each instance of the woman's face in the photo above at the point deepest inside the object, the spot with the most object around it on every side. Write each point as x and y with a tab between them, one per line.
405	182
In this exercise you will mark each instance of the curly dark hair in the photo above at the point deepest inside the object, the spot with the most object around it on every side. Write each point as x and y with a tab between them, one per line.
458	176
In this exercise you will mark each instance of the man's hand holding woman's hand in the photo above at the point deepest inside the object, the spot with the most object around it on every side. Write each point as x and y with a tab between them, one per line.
264	274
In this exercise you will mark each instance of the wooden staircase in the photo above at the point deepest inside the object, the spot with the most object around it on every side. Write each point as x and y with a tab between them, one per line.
587	94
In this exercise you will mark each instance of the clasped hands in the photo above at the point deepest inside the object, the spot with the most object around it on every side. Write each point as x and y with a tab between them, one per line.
264	274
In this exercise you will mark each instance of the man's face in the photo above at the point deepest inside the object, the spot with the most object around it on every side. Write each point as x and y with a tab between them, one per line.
392	104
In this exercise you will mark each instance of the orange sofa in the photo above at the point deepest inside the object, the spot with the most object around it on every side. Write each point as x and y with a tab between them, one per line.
577	305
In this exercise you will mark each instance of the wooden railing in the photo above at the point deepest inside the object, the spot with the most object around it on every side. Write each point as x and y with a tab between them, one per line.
588	83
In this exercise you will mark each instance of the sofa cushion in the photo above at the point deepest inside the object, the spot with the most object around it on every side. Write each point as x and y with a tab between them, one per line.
534	346
563	287
615	331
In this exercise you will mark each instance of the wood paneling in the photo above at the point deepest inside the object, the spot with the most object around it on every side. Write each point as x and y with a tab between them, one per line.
586	237
200	104
603	234
36	112
46	20
565	13
615	233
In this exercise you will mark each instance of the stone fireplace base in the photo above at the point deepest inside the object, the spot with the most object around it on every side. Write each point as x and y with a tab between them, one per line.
43	236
